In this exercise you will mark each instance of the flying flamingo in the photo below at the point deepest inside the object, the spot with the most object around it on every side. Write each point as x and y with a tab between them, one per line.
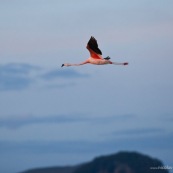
95	56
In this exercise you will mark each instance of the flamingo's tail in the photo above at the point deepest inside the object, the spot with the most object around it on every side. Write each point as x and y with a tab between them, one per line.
107	58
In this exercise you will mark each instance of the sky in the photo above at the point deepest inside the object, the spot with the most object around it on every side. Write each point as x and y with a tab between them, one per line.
52	116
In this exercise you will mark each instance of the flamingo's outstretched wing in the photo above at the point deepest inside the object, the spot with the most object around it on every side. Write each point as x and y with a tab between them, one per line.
92	46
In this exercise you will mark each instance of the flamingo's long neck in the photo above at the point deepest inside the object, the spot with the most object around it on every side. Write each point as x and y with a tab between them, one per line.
69	64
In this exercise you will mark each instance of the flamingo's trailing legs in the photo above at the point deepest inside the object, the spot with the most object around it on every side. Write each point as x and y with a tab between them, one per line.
95	56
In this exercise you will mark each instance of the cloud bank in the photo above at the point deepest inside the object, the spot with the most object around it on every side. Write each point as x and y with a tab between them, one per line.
25	120
14	121
19	76
15	76
64	73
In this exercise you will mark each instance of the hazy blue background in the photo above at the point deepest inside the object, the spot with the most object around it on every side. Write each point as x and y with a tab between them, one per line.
58	116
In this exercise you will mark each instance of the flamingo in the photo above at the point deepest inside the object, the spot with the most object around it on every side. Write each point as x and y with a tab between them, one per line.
95	56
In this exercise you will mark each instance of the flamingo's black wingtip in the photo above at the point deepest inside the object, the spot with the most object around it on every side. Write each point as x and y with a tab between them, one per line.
62	65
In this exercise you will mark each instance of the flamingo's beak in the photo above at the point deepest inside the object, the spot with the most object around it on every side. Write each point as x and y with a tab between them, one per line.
62	65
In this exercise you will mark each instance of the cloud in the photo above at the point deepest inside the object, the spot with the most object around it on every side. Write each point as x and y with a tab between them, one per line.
167	118
139	132
64	73
19	76
15	76
17	68
123	117
60	86
85	146
20	121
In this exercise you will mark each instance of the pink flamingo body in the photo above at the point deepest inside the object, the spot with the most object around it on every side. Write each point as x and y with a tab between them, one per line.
95	56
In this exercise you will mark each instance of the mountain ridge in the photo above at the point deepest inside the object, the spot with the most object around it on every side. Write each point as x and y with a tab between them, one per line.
121	162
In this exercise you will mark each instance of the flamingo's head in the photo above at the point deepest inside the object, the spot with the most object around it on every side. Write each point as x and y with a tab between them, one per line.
66	64
125	63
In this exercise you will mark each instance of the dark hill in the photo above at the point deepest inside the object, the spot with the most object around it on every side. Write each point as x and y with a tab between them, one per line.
122	162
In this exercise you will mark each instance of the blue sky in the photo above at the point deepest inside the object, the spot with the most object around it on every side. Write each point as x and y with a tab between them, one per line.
58	116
